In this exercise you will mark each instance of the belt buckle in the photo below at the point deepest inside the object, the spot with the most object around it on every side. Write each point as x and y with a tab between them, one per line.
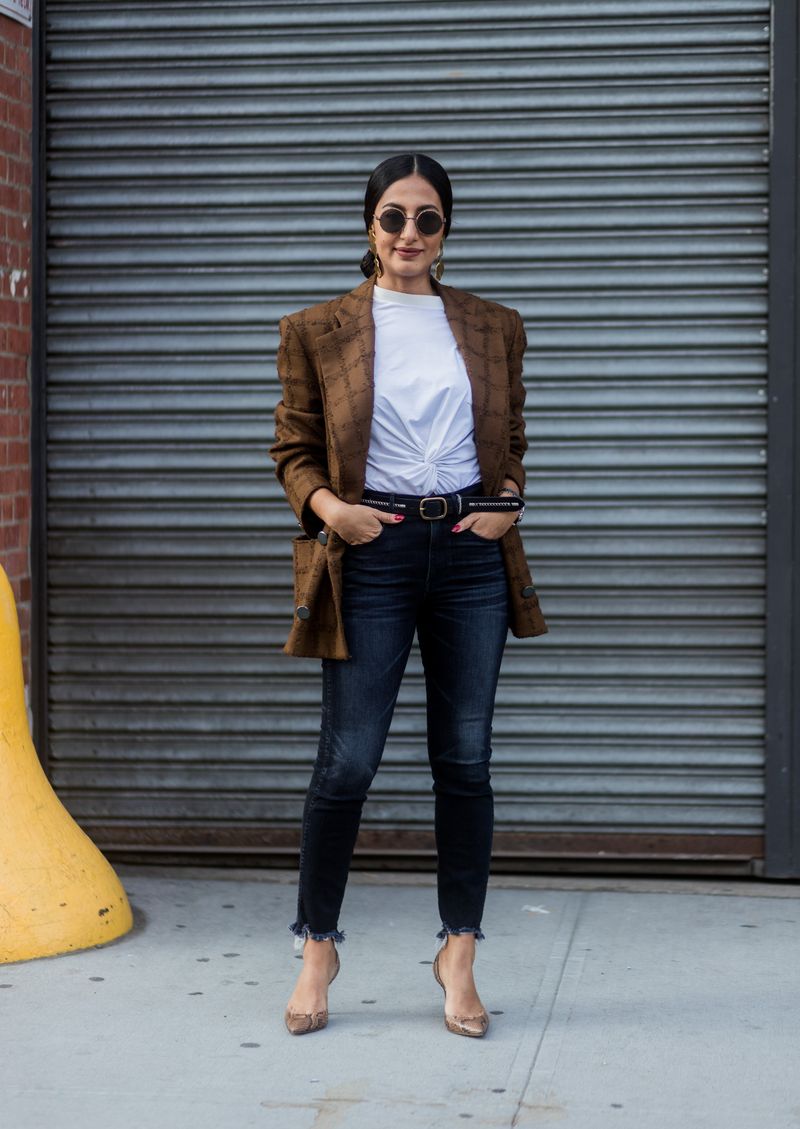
433	498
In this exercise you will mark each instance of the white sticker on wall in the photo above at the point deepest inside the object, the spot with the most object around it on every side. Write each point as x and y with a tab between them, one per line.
20	10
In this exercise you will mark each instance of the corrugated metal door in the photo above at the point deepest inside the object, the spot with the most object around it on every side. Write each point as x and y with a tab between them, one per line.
206	167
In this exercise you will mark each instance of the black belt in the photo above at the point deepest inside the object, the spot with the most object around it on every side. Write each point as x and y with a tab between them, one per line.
435	507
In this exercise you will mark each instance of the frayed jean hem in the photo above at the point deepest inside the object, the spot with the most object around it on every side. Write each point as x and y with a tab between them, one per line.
305	931
446	929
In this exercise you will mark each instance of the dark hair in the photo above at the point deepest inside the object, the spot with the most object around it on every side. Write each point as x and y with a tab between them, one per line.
395	168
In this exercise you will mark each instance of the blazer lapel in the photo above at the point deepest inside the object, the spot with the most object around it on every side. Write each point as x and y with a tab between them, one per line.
479	336
346	359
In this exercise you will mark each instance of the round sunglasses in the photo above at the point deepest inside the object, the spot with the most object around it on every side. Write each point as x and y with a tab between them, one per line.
427	222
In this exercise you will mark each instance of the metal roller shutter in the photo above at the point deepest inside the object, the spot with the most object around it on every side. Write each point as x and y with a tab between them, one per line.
205	168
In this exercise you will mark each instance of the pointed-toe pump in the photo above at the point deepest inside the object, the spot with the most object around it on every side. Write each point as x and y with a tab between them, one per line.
304	1022
475	1026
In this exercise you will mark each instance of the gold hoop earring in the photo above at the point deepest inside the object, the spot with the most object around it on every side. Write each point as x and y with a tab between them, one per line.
438	266
378	268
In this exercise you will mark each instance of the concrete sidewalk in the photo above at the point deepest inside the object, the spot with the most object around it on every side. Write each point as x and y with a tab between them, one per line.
637	1004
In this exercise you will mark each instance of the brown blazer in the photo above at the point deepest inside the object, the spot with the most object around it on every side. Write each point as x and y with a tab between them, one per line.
322	426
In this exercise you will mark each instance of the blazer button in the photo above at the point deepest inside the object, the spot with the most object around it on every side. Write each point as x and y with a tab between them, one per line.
528	590
322	537
302	612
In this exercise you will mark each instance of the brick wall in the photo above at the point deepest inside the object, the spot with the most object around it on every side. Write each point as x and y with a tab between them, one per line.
15	316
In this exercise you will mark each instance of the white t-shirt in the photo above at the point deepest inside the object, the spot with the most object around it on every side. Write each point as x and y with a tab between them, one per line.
423	431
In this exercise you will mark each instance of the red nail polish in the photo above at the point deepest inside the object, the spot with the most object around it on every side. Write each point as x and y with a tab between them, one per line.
398	517
456	528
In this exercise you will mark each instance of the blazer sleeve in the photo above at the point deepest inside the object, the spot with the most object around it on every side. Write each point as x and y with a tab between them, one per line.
300	449
518	444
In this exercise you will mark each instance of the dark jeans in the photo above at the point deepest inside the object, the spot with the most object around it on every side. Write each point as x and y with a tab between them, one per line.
451	588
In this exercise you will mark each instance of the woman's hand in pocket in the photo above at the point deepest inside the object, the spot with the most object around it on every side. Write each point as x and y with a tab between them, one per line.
357	525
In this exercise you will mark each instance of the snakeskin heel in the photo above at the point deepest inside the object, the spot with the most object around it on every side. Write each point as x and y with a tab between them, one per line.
475	1026
304	1022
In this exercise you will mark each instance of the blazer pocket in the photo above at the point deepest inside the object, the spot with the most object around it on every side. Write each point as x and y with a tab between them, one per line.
307	555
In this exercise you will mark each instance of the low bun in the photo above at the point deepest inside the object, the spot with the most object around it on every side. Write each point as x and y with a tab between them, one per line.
368	265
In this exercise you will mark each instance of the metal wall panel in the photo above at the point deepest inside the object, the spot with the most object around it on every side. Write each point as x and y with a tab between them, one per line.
205	173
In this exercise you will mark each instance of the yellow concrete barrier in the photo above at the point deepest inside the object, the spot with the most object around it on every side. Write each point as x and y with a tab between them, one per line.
57	891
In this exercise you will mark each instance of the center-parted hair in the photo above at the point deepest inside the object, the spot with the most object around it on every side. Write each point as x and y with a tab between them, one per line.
396	168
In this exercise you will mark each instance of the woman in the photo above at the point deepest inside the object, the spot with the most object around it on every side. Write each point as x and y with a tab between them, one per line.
399	443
